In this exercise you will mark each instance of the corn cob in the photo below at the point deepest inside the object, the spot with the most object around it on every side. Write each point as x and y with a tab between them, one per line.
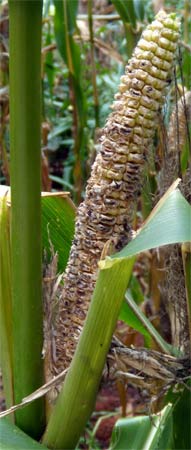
105	215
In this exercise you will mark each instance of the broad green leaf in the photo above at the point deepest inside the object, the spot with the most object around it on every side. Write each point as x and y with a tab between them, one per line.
58	221
12	438
169	223
58	216
144	432
182	419
181	415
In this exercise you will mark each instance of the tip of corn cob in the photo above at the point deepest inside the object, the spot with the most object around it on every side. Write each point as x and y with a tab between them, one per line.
171	20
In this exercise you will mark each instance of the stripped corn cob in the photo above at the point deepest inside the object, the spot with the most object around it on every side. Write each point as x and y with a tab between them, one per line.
114	184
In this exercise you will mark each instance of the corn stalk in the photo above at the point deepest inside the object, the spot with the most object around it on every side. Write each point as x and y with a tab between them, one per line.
25	122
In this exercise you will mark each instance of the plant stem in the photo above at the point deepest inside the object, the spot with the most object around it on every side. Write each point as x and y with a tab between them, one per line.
25	122
76	400
93	66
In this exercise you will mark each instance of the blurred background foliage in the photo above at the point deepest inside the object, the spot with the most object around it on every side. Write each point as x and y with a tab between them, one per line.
85	46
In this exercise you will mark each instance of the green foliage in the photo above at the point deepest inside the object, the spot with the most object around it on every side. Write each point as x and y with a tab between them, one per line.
65	24
167	224
58	214
144	432
126	10
12	438
181	429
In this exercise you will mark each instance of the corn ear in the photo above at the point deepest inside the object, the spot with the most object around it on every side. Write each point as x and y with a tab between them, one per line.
106	213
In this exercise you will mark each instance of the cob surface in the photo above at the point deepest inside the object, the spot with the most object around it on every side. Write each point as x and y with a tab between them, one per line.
106	213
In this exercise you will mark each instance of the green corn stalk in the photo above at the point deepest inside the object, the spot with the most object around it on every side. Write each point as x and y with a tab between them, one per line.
25	122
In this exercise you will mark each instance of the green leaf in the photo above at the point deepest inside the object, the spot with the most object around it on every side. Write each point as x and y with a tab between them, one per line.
141	321
181	419
169	223
64	25
129	317
136	290
144	432
12	438
58	218
139	6
126	10
58	215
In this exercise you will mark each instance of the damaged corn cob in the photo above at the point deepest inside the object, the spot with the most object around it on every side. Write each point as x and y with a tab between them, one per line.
105	215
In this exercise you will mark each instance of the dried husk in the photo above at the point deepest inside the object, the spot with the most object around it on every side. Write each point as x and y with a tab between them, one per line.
149	369
173	289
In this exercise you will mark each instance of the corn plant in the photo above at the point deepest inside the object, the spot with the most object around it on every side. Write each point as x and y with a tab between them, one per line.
106	214
100	262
